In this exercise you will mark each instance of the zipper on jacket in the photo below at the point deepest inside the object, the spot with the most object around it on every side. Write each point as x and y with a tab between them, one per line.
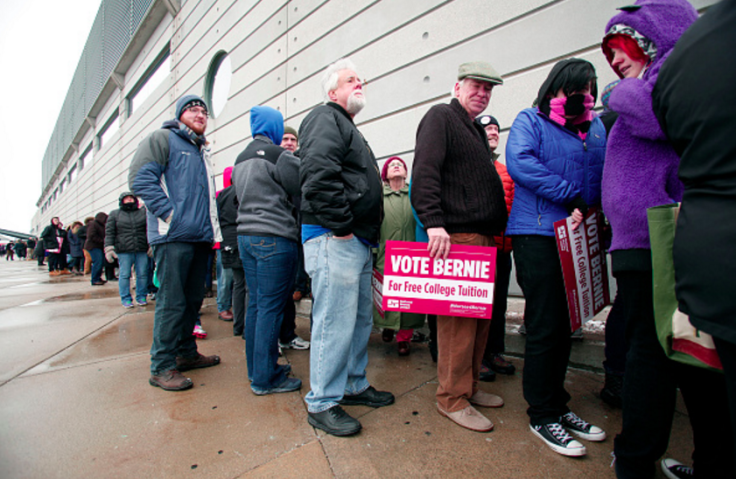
585	146
539	219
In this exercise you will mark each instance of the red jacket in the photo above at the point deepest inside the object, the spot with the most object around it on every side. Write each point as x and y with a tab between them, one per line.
503	242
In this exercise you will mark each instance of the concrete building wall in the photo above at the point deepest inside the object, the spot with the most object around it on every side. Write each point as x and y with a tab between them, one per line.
407	51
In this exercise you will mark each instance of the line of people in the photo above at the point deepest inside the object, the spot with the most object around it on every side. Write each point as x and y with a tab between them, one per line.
330	201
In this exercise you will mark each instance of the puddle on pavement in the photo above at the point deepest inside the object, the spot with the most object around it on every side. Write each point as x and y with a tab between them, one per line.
130	334
94	294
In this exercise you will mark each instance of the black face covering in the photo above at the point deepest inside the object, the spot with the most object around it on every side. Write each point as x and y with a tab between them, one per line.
129	207
575	104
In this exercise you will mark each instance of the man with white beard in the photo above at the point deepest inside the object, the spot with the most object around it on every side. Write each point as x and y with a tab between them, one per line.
342	210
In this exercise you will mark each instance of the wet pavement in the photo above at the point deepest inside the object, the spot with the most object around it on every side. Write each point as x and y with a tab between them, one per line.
75	402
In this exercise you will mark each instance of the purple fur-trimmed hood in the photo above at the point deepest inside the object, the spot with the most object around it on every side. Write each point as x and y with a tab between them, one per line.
640	170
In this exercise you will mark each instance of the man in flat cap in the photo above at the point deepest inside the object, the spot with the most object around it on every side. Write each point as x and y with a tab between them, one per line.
458	197
172	174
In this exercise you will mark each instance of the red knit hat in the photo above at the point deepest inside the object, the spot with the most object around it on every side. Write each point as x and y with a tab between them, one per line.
384	170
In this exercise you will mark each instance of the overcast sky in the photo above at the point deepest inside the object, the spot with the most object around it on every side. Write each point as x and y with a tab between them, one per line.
41	42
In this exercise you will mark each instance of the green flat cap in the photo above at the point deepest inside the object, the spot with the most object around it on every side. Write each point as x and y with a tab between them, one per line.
482	71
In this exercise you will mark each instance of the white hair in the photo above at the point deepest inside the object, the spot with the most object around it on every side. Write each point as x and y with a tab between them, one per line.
452	91
332	73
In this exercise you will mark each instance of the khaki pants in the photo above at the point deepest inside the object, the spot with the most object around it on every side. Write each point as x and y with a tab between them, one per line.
87	262
461	343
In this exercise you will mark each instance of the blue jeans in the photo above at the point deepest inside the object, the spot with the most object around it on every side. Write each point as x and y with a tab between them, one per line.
180	270
224	286
269	263
98	261
343	318
127	261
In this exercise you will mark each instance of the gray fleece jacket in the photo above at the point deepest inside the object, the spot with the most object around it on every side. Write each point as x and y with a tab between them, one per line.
266	177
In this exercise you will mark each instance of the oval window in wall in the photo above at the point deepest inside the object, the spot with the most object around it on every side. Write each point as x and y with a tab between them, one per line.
219	77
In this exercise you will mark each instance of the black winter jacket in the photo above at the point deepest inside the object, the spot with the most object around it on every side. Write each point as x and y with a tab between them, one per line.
126	231
96	232
341	184
227	212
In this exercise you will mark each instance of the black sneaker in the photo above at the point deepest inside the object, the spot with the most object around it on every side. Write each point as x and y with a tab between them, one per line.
370	397
675	470
558	439
334	421
582	428
611	392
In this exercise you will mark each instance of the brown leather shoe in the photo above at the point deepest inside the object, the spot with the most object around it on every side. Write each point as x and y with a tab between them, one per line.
226	315
171	380
469	418
484	399
201	361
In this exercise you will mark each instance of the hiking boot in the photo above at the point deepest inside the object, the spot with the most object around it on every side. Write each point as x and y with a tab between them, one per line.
469	418
334	421
171	380
296	343
558	439
370	397
201	361
484	399
581	428
501	365
676	470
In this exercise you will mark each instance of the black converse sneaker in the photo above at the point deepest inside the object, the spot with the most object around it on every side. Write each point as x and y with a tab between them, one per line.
675	470
581	428
557	438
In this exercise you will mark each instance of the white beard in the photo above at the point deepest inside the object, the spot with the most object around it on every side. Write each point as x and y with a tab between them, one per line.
355	103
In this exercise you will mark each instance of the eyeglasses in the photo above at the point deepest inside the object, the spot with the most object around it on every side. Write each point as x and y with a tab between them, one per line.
395	163
198	111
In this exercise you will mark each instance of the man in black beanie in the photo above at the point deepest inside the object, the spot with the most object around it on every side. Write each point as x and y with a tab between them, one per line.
172	174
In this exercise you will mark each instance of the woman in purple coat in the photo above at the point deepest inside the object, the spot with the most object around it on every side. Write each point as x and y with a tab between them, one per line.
641	172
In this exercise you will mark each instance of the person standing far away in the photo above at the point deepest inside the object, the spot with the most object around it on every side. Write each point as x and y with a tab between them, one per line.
341	218
182	227
458	197
125	239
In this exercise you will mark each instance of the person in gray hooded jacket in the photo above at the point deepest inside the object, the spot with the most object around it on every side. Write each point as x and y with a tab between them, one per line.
266	177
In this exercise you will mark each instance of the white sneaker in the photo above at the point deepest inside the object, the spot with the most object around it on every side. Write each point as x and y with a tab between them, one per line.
582	428
675	469
296	343
558	439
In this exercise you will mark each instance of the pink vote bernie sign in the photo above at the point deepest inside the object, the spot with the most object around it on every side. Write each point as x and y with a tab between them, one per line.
461	285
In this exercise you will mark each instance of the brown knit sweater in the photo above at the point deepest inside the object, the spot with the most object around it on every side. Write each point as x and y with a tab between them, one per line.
454	182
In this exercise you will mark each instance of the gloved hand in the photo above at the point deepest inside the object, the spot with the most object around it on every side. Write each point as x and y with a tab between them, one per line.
110	254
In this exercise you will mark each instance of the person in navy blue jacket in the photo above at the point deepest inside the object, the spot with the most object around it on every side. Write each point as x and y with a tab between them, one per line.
172	174
555	155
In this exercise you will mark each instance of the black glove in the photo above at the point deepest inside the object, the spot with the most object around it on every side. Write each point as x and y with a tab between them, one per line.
578	203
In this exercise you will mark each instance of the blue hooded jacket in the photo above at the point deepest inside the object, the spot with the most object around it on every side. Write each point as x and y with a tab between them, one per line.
267	122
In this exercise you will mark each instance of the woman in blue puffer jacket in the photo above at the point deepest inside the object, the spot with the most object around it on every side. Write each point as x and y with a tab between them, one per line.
555	156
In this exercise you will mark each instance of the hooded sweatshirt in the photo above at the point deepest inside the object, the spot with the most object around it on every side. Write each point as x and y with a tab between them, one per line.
126	227
265	177
641	166
96	232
